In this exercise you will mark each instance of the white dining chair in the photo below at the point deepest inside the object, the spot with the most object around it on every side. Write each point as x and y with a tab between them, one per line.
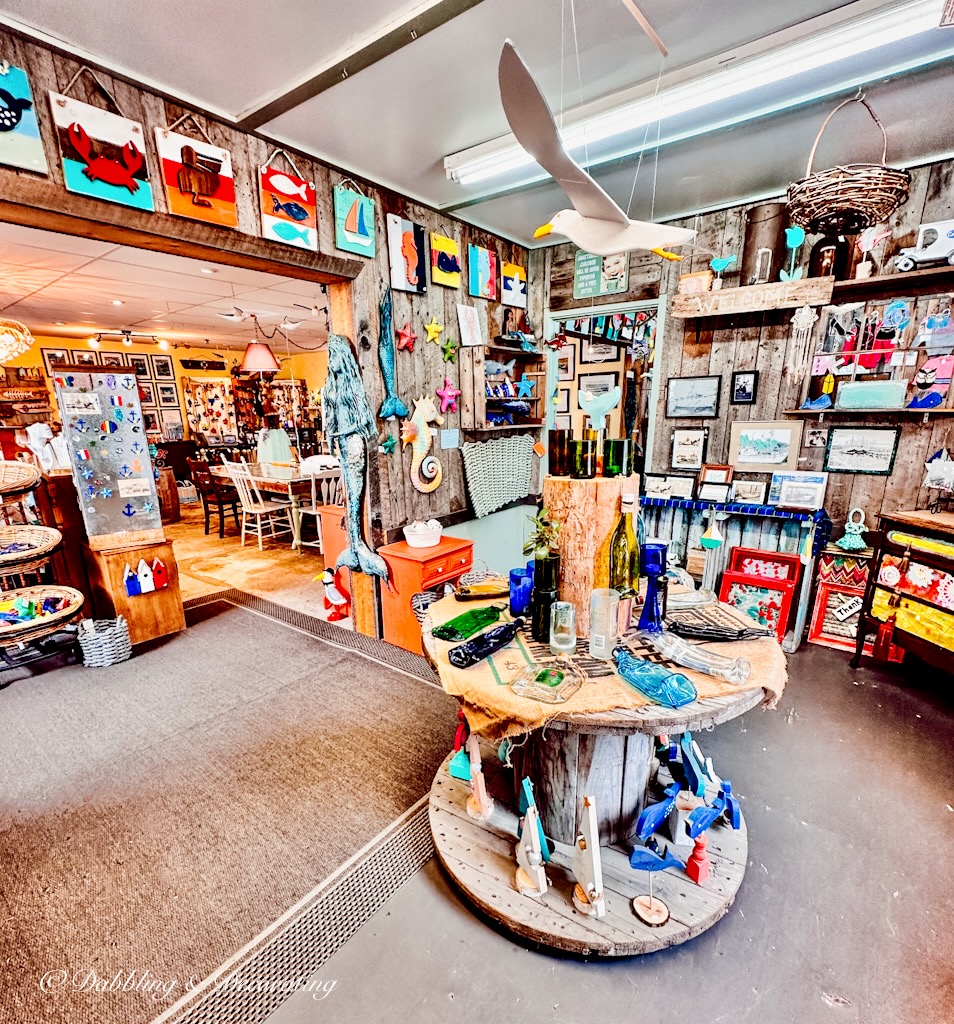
326	489
258	512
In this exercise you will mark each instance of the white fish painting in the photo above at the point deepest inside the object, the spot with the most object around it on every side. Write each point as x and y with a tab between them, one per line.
284	184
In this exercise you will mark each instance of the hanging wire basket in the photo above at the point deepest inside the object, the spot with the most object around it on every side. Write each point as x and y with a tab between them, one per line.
846	199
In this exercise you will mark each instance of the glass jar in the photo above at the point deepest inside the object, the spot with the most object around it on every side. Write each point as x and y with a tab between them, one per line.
616	457
583	459
521	589
563	628
559	452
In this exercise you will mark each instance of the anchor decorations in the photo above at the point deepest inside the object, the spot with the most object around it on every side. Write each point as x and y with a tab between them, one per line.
20	142
103	154
426	472
197	177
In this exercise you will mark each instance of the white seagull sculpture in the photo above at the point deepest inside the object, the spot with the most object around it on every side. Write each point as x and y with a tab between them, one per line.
596	223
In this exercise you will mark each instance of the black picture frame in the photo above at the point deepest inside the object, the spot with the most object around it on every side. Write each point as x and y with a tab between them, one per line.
52	357
147	394
113	358
738	377
140	363
167	394
163	368
848	461
84	357
676	409
584	377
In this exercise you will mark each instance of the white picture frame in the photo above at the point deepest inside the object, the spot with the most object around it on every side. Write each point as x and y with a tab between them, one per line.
748	492
802	479
801	495
765	446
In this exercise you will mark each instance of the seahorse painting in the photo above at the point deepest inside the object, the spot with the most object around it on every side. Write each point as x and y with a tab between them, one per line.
426	472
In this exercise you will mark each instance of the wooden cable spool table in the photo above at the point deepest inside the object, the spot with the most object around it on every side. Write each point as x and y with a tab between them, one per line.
607	755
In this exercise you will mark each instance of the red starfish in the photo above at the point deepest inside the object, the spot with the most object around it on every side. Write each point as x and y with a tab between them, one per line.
406	338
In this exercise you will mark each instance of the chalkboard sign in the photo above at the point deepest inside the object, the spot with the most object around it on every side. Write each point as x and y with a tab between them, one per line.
600	275
109	453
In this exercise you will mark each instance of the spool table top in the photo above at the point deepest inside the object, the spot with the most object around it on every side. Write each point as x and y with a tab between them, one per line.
610	704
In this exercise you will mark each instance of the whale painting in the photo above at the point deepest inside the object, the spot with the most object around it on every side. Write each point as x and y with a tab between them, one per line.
445	261
20	142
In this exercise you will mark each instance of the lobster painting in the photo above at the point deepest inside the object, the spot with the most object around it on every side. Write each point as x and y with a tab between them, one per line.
426	471
103	168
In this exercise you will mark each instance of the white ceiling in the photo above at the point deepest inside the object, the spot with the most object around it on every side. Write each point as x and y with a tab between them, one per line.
395	121
66	286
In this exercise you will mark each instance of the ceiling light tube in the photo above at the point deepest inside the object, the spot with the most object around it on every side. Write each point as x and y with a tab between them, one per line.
822	49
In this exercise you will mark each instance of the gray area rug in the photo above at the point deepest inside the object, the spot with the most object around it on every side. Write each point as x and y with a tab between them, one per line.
156	816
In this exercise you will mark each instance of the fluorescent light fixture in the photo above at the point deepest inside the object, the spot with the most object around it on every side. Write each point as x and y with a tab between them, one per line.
821	49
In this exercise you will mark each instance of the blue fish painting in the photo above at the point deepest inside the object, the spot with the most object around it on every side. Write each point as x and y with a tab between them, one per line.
392	405
294	210
289	233
20	143
447	263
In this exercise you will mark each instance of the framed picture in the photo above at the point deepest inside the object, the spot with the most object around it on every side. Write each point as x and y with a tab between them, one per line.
745	386
713	492
693	397
592	351
147	394
172	425
750	492
696	283
799	494
53	357
151	422
598	383
680	486
566	363
835	620
763	446
862	450
803	479
562	422
141	365
712	474
815	437
84	357
656	486
563	400
766	601
689	448
163	367
113	359
773	565
167	396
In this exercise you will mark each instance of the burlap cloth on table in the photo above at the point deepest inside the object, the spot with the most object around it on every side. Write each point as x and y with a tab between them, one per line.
495	711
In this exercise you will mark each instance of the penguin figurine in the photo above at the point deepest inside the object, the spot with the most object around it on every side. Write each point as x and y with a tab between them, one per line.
336	601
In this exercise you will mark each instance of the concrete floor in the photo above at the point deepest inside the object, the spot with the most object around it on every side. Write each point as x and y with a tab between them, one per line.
843	916
208	563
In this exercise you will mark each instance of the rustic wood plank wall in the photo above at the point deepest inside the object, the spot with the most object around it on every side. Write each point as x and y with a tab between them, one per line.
762	341
28	198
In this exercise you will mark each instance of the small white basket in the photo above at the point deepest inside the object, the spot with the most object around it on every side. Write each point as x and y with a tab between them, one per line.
104	642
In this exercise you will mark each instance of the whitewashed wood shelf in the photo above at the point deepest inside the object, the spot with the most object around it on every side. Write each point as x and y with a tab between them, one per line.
849	413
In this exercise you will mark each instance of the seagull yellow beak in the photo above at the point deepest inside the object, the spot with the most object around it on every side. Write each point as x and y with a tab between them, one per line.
544	229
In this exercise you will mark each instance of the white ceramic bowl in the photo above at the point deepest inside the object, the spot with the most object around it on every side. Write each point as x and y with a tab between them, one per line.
423	535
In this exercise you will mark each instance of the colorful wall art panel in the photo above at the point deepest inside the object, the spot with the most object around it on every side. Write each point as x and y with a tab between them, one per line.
445	261
197	177
20	143
482	272
354	221
289	209
513	285
210	408
407	255
103	154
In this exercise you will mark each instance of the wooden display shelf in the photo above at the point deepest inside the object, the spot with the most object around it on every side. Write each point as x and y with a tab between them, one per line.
526	425
864	412
518	352
914	282
812	291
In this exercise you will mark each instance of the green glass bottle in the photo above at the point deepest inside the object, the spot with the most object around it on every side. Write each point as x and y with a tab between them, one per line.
462	627
624	552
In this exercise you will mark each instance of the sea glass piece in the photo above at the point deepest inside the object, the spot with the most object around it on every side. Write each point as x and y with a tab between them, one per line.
674	648
658	683
552	683
473	651
463	627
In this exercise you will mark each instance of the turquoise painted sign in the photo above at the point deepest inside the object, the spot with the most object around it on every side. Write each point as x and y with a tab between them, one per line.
20	143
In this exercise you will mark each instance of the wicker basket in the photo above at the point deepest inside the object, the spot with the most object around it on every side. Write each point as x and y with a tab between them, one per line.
16	478
42	541
104	642
847	199
45	624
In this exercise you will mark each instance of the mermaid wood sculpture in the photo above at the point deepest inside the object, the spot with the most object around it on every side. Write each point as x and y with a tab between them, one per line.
426	471
349	422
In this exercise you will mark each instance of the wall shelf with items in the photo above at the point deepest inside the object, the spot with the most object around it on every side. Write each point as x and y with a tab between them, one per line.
858	413
915	282
479	411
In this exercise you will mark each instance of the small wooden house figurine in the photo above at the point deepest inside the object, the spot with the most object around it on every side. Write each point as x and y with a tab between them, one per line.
160	574
131	580
146	582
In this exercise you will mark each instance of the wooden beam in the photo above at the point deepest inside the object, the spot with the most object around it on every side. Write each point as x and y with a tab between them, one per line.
37	203
375	49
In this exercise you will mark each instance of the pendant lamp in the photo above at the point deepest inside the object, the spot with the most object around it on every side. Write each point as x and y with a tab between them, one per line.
15	339
258	358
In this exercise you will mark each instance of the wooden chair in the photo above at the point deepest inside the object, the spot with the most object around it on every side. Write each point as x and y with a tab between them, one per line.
213	489
326	489
260	511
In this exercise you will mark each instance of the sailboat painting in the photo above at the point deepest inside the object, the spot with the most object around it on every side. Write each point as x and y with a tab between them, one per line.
354	221
445	261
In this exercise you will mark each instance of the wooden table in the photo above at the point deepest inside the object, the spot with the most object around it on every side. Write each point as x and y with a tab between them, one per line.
285	481
608	756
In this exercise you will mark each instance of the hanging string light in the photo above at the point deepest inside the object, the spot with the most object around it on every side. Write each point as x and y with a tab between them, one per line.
15	339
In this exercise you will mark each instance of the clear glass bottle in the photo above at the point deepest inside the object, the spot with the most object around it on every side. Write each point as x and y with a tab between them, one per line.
624	552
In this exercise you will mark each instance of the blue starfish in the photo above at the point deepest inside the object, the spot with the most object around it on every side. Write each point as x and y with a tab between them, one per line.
147	506
525	387
87	474
106	492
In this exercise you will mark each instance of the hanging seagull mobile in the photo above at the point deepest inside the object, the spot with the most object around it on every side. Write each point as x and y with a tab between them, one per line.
596	223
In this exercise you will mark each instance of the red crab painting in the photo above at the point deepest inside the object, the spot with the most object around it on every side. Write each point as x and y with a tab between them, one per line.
102	168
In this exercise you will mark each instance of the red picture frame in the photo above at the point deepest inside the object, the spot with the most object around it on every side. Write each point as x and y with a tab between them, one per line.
776	565
826	630
766	601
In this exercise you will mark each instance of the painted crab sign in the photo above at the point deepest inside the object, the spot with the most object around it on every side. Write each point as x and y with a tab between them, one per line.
103	154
